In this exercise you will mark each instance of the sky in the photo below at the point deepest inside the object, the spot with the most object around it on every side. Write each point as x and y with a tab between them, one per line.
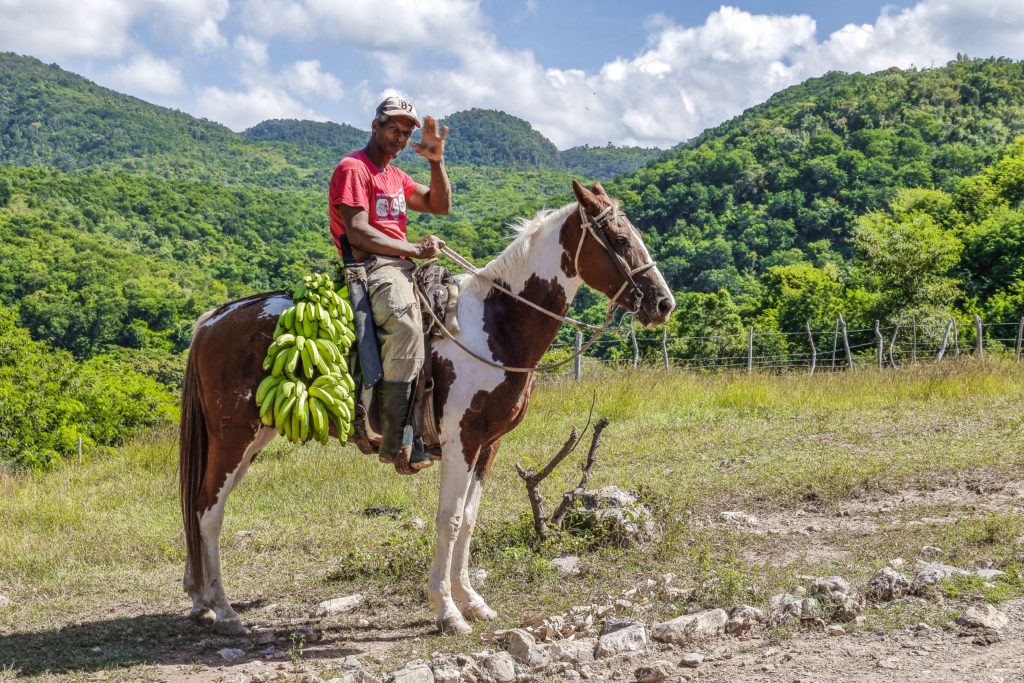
640	72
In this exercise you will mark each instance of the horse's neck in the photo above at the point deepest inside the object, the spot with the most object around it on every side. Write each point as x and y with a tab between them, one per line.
532	268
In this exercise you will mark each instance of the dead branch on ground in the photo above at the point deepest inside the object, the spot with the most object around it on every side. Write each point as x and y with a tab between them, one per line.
542	524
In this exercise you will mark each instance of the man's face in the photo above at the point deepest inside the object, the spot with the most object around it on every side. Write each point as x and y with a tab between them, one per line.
393	136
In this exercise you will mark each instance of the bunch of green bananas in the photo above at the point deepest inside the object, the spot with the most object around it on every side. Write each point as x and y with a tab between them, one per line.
309	384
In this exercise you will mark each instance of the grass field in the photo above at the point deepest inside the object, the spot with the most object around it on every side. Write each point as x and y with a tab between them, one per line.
91	557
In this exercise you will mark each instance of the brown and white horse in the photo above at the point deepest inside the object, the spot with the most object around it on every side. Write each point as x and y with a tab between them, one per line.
476	404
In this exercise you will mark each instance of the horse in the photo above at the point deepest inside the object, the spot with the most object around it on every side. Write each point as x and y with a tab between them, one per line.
476	403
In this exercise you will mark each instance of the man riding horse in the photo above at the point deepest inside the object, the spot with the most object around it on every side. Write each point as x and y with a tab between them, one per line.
368	201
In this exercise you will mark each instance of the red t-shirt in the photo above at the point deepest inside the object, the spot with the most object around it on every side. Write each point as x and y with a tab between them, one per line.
382	192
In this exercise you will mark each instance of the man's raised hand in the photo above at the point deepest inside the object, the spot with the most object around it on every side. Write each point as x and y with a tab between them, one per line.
431	144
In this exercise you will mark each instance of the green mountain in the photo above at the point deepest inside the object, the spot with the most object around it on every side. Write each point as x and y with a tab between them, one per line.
786	181
340	139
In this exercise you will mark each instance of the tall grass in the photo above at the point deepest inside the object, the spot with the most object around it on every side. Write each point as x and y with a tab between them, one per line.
106	537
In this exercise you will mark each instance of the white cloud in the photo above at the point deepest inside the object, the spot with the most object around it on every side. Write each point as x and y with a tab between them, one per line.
367	24
148	74
307	80
254	51
691	78
56	29
239	110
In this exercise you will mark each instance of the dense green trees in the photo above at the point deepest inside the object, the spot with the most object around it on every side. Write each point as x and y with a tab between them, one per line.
48	400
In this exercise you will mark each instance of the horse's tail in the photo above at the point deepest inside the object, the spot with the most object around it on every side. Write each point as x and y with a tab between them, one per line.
193	450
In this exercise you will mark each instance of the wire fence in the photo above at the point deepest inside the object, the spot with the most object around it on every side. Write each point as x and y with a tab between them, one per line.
828	350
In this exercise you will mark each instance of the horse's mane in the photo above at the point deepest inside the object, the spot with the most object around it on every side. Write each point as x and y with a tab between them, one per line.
512	259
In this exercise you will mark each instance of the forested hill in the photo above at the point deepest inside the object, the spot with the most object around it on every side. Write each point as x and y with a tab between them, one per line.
51	117
786	181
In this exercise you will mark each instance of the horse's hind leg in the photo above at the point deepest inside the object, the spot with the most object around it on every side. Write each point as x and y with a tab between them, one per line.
219	486
471	604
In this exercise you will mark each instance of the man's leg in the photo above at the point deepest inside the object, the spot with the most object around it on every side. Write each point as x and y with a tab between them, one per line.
396	315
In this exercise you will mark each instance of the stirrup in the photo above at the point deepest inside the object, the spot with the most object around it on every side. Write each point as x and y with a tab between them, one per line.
410	455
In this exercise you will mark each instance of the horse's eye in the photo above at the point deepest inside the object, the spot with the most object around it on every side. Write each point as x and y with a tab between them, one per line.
621	240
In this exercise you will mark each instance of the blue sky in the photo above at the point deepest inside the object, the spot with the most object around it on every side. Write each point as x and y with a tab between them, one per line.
644	72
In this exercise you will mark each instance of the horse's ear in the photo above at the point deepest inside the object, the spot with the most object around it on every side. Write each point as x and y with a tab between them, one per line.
586	198
598	189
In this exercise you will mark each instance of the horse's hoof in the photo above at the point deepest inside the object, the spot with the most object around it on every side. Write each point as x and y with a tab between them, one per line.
203	615
481	611
230	627
454	624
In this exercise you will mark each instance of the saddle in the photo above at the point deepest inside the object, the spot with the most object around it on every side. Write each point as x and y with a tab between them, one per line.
438	293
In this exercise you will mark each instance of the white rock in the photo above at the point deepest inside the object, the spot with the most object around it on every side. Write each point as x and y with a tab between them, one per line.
897	563
691	660
838	596
445	670
310	678
930	551
239	678
786	606
685	628
572	651
655	672
265	639
337	606
983	616
742	618
934	573
416	671
836	630
500	666
4	601
988	573
630	639
231	654
566	565
888	584
478	576
523	647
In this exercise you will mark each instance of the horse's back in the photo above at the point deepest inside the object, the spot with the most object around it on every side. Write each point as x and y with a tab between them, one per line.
228	348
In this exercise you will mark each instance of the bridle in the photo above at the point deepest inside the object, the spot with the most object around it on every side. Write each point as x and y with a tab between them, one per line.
595	227
589	225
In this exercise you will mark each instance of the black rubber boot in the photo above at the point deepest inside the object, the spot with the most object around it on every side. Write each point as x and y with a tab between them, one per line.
397	440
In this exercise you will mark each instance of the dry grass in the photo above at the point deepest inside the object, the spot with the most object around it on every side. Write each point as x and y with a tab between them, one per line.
97	551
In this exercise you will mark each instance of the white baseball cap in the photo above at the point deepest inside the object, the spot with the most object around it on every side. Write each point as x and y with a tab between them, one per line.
397	106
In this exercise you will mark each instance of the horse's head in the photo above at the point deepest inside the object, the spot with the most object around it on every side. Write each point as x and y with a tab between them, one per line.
602	247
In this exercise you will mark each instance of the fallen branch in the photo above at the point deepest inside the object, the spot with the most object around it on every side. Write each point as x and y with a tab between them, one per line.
542	524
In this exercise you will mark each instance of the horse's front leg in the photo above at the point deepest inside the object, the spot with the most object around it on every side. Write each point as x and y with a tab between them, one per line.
456	477
473	606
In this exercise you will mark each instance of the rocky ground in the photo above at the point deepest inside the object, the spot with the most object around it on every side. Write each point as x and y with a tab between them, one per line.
823	629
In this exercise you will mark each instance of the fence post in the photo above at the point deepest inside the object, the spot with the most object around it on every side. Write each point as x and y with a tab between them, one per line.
945	336
892	342
750	349
1020	336
577	364
835	343
913	347
881	341
956	337
846	342
664	345
814	351
979	346
636	349
79	450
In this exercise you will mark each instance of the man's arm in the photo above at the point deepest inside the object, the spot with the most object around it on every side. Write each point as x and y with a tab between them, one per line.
437	198
364	237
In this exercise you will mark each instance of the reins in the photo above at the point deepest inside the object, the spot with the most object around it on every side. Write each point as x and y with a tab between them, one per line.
587	226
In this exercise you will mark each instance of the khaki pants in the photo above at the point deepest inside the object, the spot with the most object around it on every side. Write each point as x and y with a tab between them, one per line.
396	315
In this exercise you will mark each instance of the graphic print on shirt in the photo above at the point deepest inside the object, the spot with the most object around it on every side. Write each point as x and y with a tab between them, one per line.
389	205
